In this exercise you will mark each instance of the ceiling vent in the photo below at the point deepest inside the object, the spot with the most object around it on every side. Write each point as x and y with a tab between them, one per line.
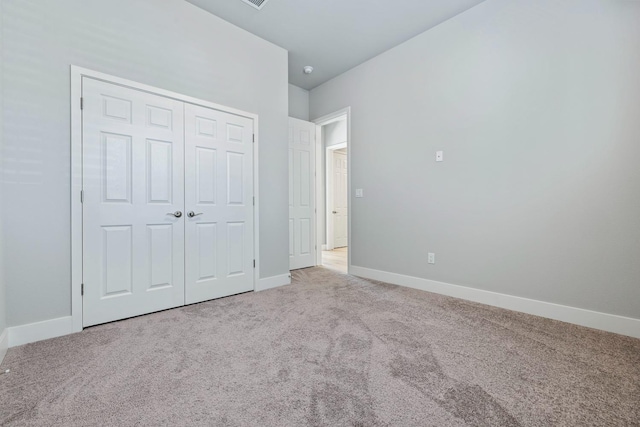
258	4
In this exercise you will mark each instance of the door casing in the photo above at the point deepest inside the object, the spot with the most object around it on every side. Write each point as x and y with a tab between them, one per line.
320	193
77	73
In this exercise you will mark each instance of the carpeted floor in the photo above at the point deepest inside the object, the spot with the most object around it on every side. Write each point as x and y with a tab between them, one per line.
328	350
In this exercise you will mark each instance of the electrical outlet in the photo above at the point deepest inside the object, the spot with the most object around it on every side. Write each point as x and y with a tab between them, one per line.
439	156
359	192
432	258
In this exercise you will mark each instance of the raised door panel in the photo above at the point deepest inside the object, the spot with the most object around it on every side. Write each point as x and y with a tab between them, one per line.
292	249
305	236
206	257
235	248
304	135
304	177
205	127
115	169
160	247
116	109
235	179
159	171
159	117
291	178
205	179
235	133
117	261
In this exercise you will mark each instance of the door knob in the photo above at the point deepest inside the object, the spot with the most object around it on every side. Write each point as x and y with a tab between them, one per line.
177	214
192	214
335	212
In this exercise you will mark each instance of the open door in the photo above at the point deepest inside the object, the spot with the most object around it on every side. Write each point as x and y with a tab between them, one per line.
302	198
339	212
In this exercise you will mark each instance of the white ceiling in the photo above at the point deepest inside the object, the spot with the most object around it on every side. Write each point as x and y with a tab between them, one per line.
334	36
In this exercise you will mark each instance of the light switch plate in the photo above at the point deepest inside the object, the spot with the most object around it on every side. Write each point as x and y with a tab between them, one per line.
359	192
439	156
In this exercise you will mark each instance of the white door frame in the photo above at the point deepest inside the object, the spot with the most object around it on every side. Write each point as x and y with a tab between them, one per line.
321	121
77	73
330	150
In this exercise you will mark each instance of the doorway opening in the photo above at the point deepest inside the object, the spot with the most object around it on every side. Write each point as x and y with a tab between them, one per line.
333	190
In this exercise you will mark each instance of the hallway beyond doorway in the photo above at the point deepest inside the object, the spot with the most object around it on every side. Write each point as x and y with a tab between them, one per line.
336	259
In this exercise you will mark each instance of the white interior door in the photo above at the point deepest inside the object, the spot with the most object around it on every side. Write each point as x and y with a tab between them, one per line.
302	199
133	254
339	210
219	204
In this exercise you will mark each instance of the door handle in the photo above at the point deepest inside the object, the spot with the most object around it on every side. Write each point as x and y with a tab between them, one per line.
192	214
335	212
177	214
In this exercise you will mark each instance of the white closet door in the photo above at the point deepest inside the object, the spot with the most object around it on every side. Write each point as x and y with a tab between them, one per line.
133	255
219	193
302	200
340	207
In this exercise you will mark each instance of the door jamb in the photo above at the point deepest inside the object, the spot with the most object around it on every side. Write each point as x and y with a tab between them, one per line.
77	73
321	121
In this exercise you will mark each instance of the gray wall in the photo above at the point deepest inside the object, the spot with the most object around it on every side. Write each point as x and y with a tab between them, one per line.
537	108
298	103
170	44
3	303
335	133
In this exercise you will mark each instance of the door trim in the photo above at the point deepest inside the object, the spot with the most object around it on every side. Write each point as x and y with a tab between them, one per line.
321	121
77	73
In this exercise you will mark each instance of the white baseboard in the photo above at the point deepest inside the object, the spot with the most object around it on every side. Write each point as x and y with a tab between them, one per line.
592	319
4	343
32	332
273	282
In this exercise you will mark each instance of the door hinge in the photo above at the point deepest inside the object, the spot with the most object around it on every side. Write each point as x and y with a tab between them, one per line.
254	200
82	103
254	137
254	263
81	196
82	289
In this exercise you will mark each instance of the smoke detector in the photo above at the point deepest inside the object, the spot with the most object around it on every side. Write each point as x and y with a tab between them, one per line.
258	4
308	69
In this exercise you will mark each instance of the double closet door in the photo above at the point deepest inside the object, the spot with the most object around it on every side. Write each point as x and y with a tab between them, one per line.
167	203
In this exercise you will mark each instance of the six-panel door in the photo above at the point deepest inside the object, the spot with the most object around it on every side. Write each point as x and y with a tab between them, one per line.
133	247
168	203
340	207
302	242
219	193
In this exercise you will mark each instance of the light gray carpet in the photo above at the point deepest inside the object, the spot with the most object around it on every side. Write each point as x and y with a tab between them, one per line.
328	350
